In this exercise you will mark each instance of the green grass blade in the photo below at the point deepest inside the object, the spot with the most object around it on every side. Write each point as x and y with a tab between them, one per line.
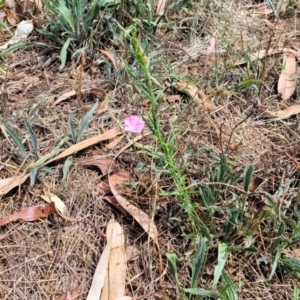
63	53
222	257
202	292
15	138
229	291
199	261
222	168
86	119
46	170
296	293
72	129
68	162
274	264
66	16
247	177
45	158
32	138
51	36
32	176
22	45
172	261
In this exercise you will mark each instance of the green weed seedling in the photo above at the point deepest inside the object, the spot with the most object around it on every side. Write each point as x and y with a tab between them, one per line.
77	136
227	290
166	142
73	24
35	168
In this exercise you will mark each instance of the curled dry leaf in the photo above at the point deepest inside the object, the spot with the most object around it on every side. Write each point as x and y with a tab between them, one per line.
8	184
284	113
29	214
59	204
100	161
287	79
199	97
114	283
67	95
140	216
111	57
70	295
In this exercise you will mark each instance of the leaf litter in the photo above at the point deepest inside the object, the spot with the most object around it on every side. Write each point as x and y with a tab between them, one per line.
203	133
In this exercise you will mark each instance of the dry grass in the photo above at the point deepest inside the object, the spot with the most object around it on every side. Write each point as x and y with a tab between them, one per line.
42	259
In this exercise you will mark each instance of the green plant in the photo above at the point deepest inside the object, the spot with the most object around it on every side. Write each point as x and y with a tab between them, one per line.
73	24
228	291
167	143
77	136
36	167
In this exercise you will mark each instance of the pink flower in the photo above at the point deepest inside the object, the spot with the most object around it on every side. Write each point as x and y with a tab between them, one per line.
134	124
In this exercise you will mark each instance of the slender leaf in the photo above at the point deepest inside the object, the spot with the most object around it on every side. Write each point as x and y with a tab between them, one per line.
32	176
86	119
202	292
222	257
72	129
15	138
274	264
44	158
222	168
199	261
172	260
68	162
63	53
296	293
46	170
229	290
32	138
247	177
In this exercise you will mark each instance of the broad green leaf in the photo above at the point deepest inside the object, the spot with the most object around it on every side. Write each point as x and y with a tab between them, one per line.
202	292
86	119
63	53
32	138
222	257
72	129
172	260
247	177
15	138
66	166
198	261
